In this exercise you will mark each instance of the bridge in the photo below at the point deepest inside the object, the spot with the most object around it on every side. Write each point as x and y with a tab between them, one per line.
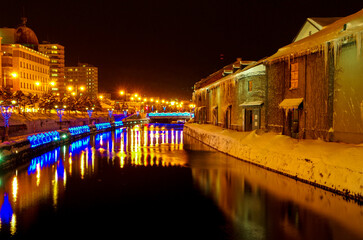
167	117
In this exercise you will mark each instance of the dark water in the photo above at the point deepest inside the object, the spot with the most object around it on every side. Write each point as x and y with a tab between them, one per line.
151	182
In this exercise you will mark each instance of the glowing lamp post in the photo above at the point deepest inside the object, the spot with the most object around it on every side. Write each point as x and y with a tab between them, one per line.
60	113
110	114
6	112
89	111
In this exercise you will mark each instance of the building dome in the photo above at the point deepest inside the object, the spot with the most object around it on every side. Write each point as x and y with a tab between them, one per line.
25	36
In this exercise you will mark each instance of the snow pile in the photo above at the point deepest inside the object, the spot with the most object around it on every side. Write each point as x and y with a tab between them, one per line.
335	166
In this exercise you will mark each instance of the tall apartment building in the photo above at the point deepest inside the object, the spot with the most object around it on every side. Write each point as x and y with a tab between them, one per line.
23	67
56	66
82	79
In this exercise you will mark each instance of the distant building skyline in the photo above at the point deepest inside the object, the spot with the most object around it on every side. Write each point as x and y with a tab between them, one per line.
25	63
82	79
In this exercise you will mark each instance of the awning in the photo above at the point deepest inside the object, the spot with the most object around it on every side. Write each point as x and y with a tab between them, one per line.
291	103
251	104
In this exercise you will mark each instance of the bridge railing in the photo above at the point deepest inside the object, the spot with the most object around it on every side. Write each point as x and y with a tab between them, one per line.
170	115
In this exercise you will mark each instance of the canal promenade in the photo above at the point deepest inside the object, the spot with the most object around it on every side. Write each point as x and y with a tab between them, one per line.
337	167
30	123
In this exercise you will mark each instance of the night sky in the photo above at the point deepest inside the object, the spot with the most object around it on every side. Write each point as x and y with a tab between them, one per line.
161	48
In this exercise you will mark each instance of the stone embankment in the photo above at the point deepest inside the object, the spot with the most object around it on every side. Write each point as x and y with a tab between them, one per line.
336	167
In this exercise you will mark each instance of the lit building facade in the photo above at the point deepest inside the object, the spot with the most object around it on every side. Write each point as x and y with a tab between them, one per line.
25	69
56	66
23	66
83	78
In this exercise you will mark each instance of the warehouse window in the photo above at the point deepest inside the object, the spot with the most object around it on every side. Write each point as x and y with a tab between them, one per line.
249	86
294	74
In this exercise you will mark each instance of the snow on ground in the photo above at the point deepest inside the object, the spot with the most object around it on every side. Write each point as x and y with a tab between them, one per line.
336	166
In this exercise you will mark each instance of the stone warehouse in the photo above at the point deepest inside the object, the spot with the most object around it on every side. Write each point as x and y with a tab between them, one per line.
311	88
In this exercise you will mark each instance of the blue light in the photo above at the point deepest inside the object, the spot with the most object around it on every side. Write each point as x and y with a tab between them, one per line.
6	212
6	112
118	132
79	145
101	126
60	169
89	113
105	137
44	160
170	114
43	138
119	123
79	130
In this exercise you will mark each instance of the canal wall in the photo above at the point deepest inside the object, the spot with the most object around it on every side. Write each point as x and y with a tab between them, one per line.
335	167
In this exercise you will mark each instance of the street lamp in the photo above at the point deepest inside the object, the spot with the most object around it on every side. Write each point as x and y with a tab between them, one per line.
13	75
6	112
110	113
89	111
60	113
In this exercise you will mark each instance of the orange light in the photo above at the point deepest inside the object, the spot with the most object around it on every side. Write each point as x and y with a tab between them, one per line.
14	74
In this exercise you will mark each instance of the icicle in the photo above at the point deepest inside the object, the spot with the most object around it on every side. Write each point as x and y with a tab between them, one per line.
358	40
288	63
335	51
326	51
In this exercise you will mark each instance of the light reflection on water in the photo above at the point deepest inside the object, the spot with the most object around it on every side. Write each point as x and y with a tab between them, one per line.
265	205
46	175
257	203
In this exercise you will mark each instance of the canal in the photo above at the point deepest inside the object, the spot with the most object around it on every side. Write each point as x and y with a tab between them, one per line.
154	182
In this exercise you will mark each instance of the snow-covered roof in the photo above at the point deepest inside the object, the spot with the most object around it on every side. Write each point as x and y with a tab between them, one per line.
343	28
313	25
321	22
221	73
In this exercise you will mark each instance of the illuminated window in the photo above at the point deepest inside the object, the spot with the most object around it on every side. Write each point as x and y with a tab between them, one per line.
294	70
249	86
